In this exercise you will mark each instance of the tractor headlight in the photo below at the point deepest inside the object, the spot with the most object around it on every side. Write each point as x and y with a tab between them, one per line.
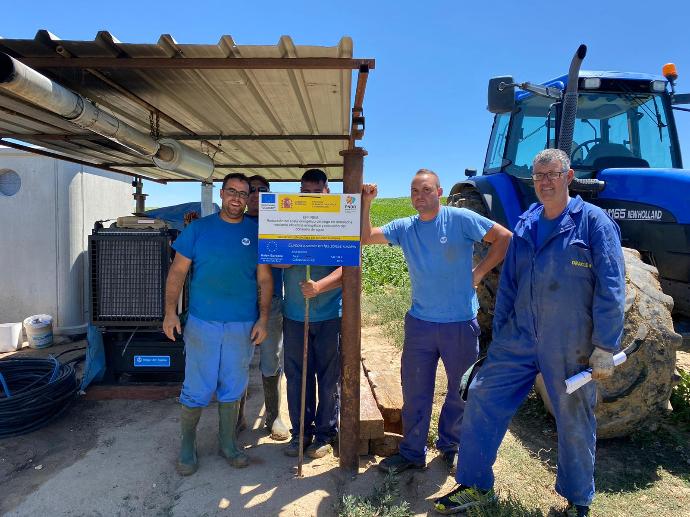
658	86
591	83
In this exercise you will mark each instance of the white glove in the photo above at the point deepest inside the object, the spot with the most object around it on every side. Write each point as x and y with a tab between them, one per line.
601	362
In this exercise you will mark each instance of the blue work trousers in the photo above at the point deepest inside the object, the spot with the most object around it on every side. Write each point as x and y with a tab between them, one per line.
425	342
323	377
217	357
498	390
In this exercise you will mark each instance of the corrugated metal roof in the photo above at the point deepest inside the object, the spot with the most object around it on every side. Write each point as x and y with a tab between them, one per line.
299	116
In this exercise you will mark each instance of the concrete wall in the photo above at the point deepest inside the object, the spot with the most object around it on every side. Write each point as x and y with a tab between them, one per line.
44	232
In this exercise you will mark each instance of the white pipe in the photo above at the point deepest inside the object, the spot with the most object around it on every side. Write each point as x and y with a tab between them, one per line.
182	158
578	380
36	88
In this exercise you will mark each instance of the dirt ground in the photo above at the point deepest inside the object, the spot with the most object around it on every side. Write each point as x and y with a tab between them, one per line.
117	458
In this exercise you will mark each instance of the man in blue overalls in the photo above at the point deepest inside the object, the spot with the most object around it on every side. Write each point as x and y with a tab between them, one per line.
438	247
560	305
224	324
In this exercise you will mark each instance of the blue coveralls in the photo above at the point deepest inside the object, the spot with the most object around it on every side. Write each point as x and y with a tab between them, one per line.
554	304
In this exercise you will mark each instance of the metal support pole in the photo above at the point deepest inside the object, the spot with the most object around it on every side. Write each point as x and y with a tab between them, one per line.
206	198
139	196
351	353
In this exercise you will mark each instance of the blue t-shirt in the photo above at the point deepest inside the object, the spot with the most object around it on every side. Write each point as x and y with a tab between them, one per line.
545	227
439	258
326	306
223	273
277	272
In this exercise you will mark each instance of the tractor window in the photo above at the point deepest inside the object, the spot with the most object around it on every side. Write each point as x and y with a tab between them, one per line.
612	129
497	144
654	142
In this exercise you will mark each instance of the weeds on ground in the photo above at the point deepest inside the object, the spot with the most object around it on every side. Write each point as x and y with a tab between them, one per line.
503	506
389	305
381	502
680	399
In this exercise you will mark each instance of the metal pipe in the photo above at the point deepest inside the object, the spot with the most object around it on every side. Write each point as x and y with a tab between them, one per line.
36	88
565	136
104	167
351	353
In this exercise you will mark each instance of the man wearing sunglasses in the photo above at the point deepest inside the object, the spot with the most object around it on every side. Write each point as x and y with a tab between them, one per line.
226	320
560	305
271	350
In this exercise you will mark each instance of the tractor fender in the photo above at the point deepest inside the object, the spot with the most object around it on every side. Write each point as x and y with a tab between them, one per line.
499	195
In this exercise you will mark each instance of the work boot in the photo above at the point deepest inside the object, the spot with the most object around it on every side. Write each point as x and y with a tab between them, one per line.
227	434
274	424
241	420
188	462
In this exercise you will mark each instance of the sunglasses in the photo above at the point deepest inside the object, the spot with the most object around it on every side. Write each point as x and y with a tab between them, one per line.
258	189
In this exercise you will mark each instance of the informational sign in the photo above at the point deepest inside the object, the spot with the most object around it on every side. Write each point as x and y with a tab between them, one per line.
309	229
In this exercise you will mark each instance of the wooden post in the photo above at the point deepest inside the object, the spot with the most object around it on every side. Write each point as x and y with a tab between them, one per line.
353	168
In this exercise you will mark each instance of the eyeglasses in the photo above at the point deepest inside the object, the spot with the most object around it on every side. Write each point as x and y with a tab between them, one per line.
258	189
236	193
539	176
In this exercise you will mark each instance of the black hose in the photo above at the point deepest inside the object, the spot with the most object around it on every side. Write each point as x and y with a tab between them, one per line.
33	392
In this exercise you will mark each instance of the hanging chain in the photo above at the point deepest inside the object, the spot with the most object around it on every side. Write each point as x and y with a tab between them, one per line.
154	124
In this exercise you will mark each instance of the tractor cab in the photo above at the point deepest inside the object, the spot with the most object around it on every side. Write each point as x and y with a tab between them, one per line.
623	120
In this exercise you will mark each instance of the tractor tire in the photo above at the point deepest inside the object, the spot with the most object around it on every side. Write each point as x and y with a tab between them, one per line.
640	388
486	291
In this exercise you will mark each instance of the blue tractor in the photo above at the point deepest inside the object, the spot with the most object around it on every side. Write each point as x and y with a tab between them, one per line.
619	129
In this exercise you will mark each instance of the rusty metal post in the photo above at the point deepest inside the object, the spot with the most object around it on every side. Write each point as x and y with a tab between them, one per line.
351	330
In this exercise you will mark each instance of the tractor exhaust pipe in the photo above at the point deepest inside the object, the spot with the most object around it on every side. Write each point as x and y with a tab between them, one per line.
565	136
32	86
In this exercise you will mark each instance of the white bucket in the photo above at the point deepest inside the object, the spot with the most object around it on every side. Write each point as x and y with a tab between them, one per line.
39	330
10	336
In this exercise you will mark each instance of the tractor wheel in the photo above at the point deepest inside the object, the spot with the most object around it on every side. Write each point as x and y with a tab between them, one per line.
640	388
486	291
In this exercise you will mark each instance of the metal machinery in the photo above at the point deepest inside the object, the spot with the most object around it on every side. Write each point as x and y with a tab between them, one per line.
619	130
129	265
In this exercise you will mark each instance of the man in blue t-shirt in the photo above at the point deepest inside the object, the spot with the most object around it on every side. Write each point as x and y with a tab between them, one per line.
438	247
323	360
223	325
271	350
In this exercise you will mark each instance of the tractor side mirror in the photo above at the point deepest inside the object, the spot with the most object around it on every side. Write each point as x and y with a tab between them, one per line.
501	94
681	98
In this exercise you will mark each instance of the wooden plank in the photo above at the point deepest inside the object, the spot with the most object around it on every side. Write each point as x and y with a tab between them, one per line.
132	392
370	418
387	391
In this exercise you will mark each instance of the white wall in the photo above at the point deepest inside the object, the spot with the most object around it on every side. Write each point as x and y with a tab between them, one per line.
44	232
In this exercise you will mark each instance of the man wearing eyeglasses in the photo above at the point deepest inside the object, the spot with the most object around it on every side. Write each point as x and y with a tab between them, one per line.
438	247
224	324
323	364
559	307
271	350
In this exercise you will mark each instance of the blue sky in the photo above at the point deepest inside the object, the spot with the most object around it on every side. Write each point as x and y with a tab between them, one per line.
425	104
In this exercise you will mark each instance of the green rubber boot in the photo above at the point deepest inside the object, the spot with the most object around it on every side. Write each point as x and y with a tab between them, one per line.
188	462
274	424
227	434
